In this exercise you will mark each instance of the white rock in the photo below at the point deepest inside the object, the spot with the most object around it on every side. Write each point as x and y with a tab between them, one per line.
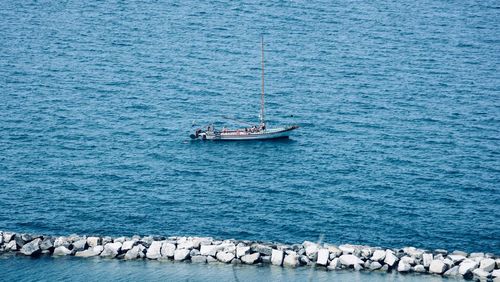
495	273
378	255
456	258
350	260
91	252
111	249
408	260
188	244
334	264
358	267
413	252
226	257
32	248
127	245
277	257
478	272
7	236
437	266
487	264
404	266
181	254
61	241
334	251
366	252
452	271
419	268
476	255
390	258
241	251
323	256
427	259
291	260
167	250
467	266
311	251
449	263
132	253
347	249
61	251
79	245
93	241
229	248
374	265
210	250
497	261
154	250
250	259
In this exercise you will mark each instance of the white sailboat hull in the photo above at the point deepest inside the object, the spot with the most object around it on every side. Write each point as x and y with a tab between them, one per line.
273	133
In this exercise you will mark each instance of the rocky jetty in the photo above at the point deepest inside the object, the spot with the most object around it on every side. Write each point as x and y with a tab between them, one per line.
457	264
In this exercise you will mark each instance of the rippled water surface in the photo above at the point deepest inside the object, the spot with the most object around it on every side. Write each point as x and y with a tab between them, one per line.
398	104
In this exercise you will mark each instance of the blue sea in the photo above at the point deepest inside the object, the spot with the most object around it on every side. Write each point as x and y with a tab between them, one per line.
398	103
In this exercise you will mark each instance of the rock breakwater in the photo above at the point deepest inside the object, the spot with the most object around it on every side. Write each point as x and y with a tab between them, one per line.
477	266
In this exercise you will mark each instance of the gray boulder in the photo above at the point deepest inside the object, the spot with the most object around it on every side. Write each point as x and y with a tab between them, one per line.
262	249
47	244
199	259
32	248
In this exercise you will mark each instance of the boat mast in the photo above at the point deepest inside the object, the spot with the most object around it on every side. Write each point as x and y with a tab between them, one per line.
262	94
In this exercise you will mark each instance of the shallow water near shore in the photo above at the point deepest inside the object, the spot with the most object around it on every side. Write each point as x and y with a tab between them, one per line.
74	269
398	105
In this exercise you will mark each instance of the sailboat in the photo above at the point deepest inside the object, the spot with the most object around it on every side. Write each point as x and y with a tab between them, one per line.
253	132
